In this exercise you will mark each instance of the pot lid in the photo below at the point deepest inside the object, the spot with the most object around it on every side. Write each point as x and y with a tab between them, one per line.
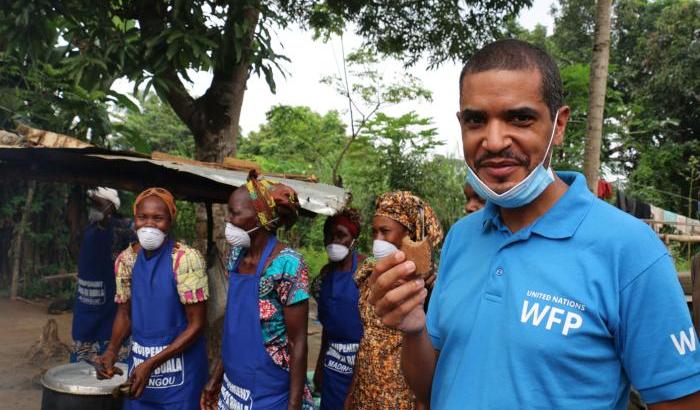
80	378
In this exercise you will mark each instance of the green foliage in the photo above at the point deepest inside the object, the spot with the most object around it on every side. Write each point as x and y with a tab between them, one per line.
392	153
33	93
184	228
295	140
403	144
652	110
574	25
436	29
659	52
370	87
154	127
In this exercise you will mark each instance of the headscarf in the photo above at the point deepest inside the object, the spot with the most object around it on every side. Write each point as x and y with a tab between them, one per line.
405	208
161	193
105	193
272	200
349	218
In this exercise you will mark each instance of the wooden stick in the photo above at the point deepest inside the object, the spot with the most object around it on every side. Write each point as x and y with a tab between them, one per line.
60	276
680	238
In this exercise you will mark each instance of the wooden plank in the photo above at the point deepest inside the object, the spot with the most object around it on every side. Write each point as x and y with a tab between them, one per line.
241	164
50	139
60	277
162	156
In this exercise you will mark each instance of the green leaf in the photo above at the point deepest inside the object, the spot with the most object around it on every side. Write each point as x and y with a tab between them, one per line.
124	101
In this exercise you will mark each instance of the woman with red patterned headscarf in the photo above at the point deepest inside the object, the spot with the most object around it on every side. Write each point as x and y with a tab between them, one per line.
337	297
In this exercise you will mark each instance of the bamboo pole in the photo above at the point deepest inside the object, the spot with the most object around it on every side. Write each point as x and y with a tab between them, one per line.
19	238
666	237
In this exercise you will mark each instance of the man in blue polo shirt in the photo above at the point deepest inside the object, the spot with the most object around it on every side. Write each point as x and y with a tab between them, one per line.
548	298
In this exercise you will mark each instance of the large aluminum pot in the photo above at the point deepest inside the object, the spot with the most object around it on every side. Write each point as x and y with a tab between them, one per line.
75	386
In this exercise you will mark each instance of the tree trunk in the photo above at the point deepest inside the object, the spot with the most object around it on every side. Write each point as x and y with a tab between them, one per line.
76	219
19	238
596	92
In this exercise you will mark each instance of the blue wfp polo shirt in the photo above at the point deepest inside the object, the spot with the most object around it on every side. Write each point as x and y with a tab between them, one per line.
563	314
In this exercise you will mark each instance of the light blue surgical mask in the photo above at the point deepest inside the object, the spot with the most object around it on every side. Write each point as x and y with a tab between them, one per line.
526	190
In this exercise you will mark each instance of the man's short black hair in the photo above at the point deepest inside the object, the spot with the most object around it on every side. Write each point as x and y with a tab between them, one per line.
511	54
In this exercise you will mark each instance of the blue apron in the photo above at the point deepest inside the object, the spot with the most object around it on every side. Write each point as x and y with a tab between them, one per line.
339	314
94	309
157	318
251	378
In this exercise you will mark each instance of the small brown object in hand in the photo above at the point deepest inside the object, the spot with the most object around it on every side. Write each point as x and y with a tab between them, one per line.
420	253
122	390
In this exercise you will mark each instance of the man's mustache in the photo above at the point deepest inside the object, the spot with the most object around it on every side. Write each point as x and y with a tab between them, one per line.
505	154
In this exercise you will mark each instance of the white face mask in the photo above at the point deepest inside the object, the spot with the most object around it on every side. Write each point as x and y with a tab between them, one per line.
337	252
95	215
150	238
382	249
237	237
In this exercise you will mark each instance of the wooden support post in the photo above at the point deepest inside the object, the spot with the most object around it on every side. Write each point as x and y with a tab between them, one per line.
695	278
210	233
18	240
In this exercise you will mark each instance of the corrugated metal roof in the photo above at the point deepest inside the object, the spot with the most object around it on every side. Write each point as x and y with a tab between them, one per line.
134	172
315	197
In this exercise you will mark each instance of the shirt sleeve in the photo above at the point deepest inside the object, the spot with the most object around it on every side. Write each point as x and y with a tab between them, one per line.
657	342
292	285
190	275
123	267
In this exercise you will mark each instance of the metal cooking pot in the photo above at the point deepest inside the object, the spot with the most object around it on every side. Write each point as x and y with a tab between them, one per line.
75	386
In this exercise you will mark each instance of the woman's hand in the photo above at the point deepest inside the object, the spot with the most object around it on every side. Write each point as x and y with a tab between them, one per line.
104	365
318	380
210	395
209	398
139	379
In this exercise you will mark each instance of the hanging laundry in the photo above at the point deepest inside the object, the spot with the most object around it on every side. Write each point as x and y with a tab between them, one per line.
670	216
623	203
657	213
604	189
632	206
643	210
682	226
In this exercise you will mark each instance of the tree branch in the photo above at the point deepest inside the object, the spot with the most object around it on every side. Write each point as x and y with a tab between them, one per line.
151	17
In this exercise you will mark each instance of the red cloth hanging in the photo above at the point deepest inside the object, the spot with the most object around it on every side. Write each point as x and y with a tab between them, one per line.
604	189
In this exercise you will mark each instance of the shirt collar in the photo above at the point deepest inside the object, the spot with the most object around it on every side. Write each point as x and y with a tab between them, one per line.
560	221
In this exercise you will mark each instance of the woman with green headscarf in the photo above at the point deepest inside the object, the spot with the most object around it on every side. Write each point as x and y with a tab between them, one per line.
401	220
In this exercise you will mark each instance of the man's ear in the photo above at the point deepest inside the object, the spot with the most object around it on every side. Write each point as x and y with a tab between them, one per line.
562	121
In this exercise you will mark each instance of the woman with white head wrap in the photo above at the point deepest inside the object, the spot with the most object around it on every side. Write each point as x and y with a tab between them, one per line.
104	237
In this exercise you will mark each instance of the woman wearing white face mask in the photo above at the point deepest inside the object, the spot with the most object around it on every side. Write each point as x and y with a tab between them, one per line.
378	382
94	310
337	296
161	292
264	339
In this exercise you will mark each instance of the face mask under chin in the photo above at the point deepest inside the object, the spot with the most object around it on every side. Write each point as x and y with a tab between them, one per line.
525	191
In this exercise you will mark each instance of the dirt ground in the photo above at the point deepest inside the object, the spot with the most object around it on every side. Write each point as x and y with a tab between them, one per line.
21	325
20	328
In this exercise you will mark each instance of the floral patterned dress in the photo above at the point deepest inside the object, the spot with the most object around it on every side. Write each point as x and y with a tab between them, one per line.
379	382
283	283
